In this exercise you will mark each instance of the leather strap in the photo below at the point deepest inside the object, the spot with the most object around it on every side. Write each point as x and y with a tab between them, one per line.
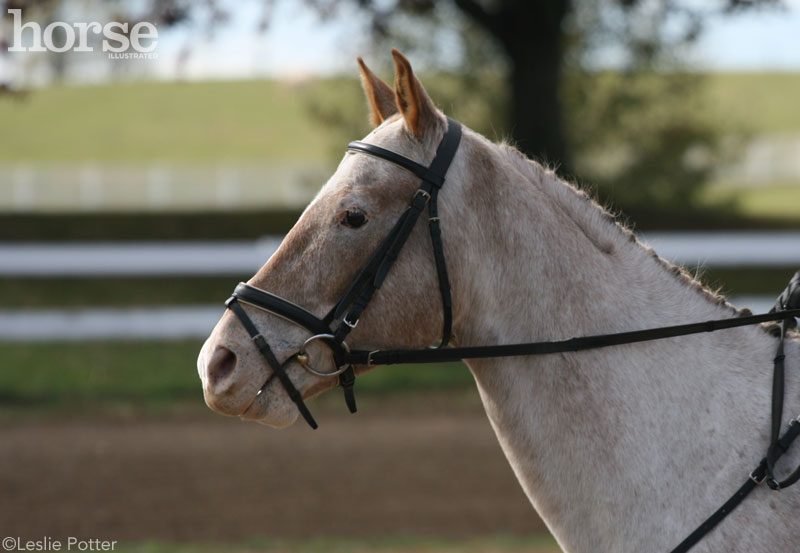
441	268
266	353
347	381
756	477
369	280
371	277
279	306
441	162
361	291
788	300
391	357
367	274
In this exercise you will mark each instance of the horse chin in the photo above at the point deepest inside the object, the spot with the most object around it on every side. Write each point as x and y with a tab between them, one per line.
272	406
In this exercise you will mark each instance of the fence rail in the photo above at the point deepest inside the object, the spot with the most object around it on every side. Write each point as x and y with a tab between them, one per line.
153	185
135	259
156	323
42	260
94	186
245	257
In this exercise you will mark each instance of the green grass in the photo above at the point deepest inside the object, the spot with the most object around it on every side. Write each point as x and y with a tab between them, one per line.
240	121
41	375
154	375
148	121
763	103
776	201
501	544
268	120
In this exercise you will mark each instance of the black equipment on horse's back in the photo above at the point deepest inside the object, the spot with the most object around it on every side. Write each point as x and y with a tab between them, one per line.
789	299
354	301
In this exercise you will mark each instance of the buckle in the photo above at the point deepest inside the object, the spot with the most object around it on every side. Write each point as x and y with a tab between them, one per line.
421	192
369	357
757	480
259	340
774	485
348	323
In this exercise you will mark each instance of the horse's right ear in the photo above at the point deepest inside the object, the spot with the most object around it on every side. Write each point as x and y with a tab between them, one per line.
380	96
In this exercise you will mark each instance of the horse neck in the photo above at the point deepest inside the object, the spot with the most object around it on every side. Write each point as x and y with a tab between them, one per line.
608	444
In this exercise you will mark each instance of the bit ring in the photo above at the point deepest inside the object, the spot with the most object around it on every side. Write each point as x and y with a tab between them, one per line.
304	359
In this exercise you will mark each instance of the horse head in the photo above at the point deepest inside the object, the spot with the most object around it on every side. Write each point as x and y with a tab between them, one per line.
323	253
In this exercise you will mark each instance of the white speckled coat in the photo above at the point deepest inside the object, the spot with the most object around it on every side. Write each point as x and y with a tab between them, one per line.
624	449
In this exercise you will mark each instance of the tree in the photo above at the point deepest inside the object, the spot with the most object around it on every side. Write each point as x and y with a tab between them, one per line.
532	39
639	130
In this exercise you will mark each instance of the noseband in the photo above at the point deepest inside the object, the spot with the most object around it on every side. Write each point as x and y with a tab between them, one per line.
349	308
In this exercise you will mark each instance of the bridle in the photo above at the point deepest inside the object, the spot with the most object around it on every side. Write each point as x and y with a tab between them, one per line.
348	310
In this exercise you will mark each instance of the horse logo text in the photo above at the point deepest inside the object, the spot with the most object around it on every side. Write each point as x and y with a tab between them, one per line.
117	40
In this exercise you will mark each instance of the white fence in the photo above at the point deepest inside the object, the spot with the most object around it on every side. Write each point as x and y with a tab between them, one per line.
732	249
244	258
76	259
85	324
87	187
157	186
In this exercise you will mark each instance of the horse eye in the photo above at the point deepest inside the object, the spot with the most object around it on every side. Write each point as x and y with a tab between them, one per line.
354	218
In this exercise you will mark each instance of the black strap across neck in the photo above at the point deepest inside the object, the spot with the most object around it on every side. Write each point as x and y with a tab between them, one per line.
356	298
413	356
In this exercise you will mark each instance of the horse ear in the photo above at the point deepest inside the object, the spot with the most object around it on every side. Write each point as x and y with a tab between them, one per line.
380	96
418	109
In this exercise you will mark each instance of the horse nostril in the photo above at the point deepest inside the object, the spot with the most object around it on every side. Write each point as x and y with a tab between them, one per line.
221	365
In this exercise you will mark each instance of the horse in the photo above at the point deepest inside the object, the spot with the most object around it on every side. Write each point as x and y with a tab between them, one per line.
619	449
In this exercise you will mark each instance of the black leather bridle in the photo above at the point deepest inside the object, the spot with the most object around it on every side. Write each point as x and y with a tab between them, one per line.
349	308
347	311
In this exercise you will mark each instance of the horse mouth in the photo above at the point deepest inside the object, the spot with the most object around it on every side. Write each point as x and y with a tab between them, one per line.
258	407
256	398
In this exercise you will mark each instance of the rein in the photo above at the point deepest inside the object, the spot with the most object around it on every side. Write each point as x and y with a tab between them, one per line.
392	357
348	310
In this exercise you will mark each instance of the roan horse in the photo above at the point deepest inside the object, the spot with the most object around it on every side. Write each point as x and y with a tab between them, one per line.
621	449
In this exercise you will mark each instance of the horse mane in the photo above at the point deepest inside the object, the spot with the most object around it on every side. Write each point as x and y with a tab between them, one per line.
604	228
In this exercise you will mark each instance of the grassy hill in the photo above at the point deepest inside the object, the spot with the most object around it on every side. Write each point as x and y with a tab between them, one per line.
151	121
265	119
764	103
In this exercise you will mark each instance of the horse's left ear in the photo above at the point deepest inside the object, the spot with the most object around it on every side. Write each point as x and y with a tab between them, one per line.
419	111
380	96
